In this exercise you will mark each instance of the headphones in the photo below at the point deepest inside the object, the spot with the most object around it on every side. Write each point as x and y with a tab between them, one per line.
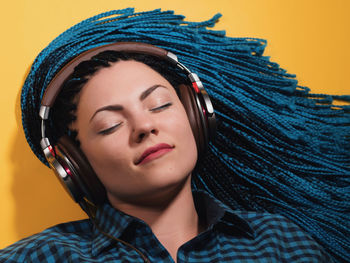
68	161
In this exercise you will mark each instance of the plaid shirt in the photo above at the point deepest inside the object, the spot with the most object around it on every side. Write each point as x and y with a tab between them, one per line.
232	236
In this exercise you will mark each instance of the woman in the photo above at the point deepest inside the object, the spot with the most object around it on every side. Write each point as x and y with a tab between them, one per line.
153	143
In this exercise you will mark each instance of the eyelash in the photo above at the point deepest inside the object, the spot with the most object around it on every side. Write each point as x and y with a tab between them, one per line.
160	108
111	129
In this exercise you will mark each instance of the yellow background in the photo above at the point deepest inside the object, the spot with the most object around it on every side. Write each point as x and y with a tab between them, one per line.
308	37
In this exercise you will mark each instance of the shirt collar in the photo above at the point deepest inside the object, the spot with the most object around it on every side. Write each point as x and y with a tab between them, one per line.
216	215
112	222
219	216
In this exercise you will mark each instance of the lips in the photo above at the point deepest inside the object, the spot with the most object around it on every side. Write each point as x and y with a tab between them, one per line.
154	152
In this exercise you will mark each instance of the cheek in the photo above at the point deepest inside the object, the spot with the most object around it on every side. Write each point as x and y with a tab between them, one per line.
106	156
181	128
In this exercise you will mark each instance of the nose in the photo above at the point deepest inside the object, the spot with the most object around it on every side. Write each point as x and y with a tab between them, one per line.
143	126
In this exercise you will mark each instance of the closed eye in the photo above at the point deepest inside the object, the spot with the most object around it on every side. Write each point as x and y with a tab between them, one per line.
160	108
109	130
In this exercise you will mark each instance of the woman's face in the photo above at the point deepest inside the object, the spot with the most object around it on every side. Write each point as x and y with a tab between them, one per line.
135	132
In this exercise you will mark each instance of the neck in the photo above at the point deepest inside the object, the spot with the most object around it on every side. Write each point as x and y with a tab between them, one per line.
173	221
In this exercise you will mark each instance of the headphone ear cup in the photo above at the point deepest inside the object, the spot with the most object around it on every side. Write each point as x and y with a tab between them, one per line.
188	99
83	176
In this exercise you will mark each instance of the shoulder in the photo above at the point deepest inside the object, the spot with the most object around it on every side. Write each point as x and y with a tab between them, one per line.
48	243
281	233
261	221
266	224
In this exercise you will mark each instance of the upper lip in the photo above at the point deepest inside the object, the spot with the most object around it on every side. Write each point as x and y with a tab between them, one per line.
152	149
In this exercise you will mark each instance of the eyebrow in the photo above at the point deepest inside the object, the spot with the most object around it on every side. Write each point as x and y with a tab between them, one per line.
117	107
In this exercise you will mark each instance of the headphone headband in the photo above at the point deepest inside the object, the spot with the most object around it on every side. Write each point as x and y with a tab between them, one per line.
55	85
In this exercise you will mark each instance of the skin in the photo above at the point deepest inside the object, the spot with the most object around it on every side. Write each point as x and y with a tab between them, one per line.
114	138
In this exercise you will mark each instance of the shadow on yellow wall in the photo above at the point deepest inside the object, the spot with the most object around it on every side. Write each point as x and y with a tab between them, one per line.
40	201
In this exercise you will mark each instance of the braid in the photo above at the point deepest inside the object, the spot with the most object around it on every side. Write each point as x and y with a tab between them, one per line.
279	148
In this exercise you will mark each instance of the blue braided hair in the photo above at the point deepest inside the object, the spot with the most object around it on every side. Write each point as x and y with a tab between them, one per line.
279	148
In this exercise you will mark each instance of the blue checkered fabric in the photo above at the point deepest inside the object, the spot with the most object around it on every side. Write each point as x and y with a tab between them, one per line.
231	236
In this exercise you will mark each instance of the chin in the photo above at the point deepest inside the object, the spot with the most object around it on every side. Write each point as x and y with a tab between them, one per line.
170	169
156	181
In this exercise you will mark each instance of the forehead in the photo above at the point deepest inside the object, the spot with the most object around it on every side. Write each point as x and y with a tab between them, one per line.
119	83
126	74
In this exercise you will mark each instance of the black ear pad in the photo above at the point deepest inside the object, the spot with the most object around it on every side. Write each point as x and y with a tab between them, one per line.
188	99
84	179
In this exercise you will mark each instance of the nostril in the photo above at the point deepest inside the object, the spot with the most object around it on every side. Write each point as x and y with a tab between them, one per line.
141	135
